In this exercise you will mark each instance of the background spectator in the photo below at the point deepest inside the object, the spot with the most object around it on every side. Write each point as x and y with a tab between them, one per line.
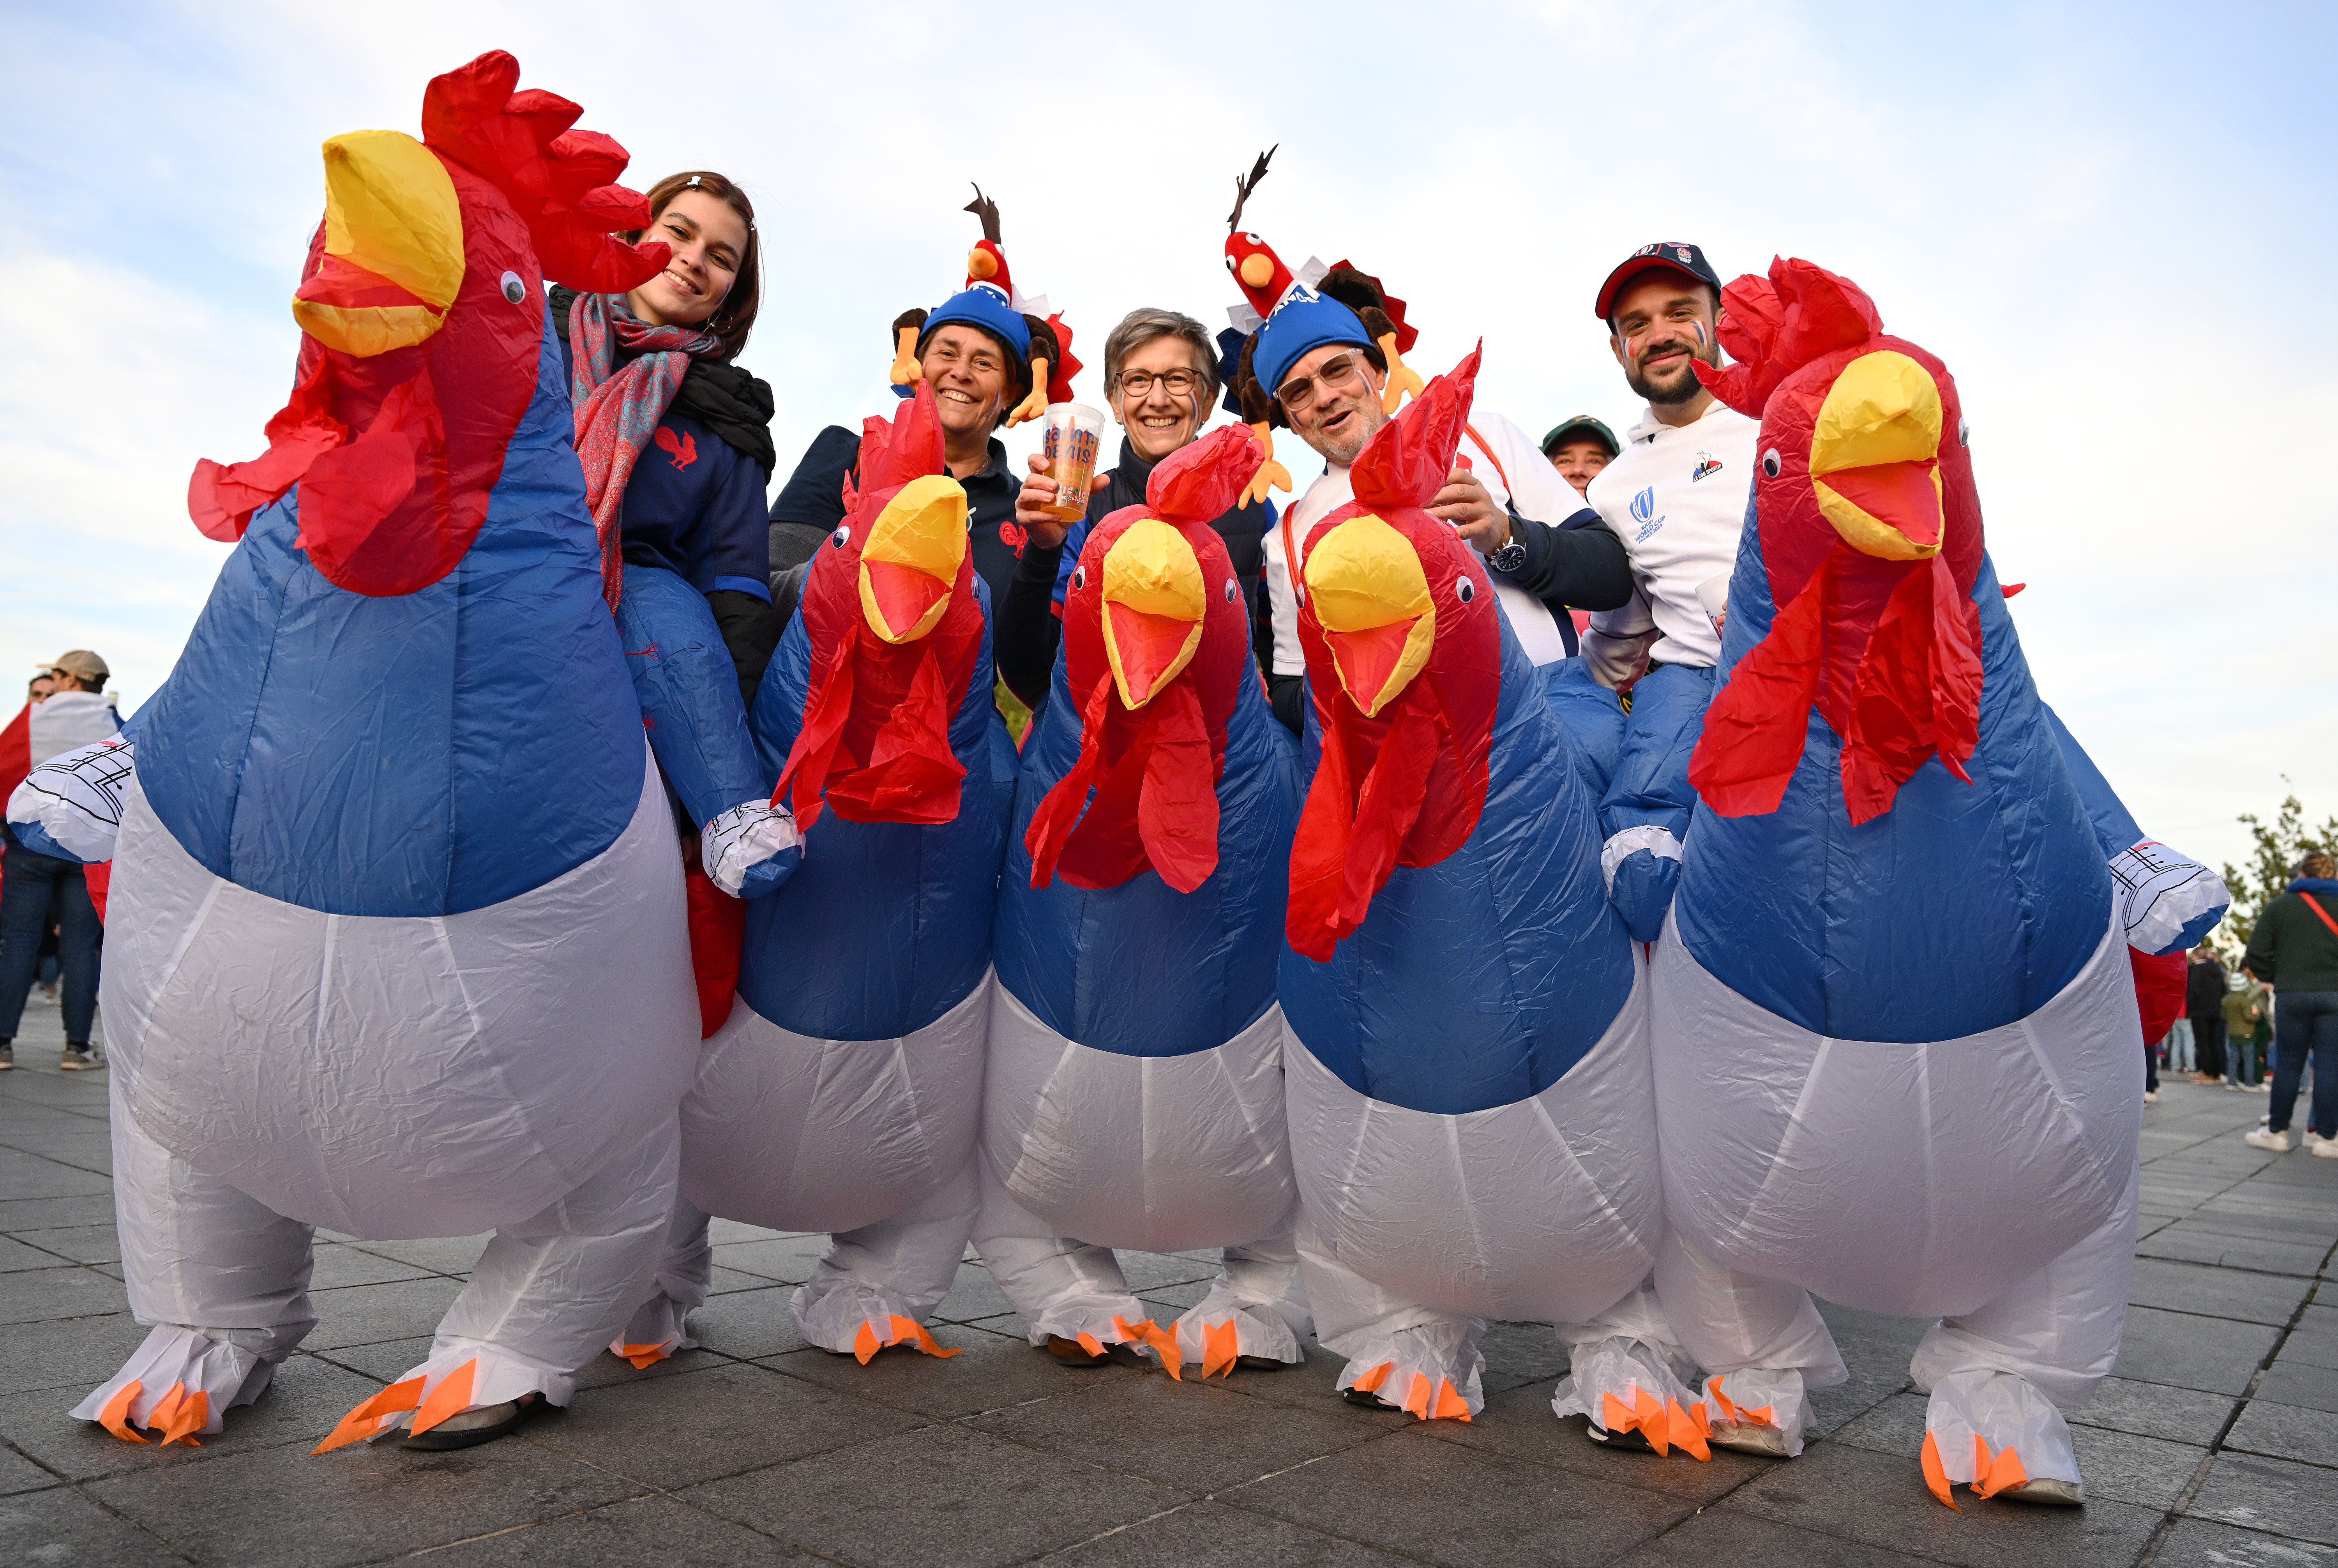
2295	945
1578	448
37	888
2244	1012
2204	1006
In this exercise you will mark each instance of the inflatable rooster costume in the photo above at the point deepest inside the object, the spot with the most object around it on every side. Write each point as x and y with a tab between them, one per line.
843	1092
399	945
1471	1118
1135	1096
1895	1037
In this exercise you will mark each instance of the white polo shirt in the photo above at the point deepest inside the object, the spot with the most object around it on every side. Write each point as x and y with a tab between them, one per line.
1676	497
1502	457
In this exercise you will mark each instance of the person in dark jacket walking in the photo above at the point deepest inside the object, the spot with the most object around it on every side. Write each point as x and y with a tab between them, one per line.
1161	378
2204	1006
2294	947
692	499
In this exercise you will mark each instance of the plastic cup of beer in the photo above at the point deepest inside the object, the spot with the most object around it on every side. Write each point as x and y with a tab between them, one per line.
1069	436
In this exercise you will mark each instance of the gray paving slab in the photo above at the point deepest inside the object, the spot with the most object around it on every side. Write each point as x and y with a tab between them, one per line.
1198	1436
64	1526
77	1244
438	1255
1880	1499
940	1493
2286	1432
719	1420
2191	1351
68	1291
18	1474
54	1355
2275	1495
1742	1540
1211	1532
1449	1504
369	1314
788	1259
639	1530
2201	1543
990	1374
2217	1292
2155	1410
2300	1383
748	1324
16	1256
2314	1350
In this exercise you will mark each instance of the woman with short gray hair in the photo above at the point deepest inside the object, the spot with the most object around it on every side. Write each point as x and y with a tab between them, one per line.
1161	378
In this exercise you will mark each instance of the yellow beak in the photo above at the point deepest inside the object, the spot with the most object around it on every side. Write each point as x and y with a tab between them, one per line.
910	562
1153	605
1874	457
393	246
1371	597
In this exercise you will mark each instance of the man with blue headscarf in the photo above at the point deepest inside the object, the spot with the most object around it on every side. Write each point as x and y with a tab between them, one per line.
1315	365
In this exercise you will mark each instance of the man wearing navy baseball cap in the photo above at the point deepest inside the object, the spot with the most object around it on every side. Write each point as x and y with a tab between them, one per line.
1316	366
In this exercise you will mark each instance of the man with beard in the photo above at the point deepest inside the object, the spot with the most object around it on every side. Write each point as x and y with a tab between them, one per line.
1316	367
1677	492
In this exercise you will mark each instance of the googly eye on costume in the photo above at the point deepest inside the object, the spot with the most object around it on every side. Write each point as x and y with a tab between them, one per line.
1080	577
1231	590
841	537
1464	589
1964	432
1770	463
513	290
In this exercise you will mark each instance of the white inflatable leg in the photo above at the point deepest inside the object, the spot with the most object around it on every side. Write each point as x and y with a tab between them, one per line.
685	1267
1762	1342
1628	1373
1408	1355
220	1277
2000	1377
1257	1295
1059	1286
879	1284
550	1291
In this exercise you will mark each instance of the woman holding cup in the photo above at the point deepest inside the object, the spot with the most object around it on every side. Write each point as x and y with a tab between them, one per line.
1161	379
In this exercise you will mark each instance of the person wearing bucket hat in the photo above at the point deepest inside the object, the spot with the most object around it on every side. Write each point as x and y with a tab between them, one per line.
1579	448
1323	359
995	357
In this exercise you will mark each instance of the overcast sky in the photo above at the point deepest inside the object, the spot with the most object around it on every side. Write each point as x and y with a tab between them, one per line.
2113	223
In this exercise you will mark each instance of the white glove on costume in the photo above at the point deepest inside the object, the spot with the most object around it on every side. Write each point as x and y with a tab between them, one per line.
751	849
71	805
2166	899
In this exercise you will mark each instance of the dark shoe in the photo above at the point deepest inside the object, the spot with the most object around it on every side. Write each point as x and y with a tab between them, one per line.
472	1427
1367	1398
1630	1442
1264	1364
78	1055
1072	1353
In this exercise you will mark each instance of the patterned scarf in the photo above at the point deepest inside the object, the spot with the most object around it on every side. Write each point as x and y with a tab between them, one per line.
617	406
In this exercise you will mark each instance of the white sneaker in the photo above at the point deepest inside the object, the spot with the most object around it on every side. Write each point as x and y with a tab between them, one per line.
2326	1148
2261	1138
2151	1096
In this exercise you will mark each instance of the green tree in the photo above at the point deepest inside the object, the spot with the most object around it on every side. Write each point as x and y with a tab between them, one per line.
2268	873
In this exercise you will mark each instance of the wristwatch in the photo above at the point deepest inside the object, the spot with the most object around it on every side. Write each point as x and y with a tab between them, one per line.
1511	557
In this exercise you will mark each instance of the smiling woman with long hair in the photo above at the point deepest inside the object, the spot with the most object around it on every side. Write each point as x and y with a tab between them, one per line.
674	436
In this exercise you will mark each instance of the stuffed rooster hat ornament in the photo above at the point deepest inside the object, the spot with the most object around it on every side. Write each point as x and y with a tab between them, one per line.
1334	304
1462	1004
842	1092
990	300
1895	1028
1134	1095
399	944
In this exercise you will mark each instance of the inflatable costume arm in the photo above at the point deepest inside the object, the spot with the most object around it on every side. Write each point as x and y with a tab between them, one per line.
70	806
689	693
2168	902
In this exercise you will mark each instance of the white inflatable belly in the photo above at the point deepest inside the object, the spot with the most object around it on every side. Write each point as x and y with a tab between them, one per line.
1919	1180
1159	1153
797	1133
397	1077
1545	1210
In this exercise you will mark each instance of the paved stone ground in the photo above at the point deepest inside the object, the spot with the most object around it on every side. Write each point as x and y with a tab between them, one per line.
2214	1443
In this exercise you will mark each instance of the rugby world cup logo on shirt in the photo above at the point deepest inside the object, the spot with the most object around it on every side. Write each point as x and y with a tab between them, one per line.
1644	512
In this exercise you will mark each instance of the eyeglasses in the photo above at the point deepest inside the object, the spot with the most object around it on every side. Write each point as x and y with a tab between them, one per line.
1138	384
1298	393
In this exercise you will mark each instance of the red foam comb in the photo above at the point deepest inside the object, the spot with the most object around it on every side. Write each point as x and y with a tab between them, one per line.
559	180
1774	326
1406	462
1200	481
907	446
